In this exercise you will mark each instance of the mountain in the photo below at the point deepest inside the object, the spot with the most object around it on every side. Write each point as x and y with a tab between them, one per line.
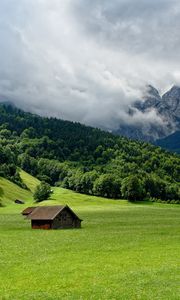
159	116
171	142
152	118
84	159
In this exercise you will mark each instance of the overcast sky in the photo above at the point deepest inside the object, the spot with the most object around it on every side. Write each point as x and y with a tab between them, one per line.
87	60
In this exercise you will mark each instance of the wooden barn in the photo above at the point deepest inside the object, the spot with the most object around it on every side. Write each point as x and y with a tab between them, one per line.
53	217
17	201
28	210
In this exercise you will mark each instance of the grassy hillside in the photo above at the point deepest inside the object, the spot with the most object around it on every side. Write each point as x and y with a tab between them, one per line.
30	181
10	192
123	251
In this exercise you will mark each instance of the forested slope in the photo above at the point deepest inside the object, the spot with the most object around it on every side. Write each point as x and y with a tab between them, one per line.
84	159
171	142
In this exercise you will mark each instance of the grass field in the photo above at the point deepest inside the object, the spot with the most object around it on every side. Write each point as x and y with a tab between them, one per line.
123	251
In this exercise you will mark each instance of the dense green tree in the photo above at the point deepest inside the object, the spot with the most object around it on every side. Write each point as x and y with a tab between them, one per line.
172	192
107	186
5	133
42	192
28	163
132	188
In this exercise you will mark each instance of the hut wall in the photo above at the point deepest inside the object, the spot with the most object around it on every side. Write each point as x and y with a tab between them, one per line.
41	224
77	223
63	220
66	220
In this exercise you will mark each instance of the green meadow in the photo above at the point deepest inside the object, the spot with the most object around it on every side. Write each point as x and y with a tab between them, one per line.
123	250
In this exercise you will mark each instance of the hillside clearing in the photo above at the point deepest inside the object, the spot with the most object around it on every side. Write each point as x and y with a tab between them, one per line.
10	192
30	181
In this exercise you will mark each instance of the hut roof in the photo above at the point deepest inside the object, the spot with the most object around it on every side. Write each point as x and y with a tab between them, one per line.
48	212
28	210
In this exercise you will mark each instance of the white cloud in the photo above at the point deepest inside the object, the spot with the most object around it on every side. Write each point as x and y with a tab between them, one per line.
87	60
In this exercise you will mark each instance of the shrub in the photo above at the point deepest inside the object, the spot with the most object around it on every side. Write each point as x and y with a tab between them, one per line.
42	192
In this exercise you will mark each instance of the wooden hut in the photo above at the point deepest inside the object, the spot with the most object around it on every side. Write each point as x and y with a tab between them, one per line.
17	201
53	217
28	210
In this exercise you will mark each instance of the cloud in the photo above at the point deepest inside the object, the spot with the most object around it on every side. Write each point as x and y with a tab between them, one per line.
87	60
136	26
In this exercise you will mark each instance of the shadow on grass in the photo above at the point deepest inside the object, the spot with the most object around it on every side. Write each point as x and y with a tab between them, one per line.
142	202
1	192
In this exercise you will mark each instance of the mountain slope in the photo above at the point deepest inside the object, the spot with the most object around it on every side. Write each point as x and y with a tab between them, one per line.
84	159
171	142
158	116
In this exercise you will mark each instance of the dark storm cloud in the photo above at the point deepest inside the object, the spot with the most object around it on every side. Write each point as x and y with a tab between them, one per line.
87	60
136	26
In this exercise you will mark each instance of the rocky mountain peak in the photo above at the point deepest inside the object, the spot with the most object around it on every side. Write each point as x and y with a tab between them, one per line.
152	92
174	92
175	88
171	100
166	109
150	99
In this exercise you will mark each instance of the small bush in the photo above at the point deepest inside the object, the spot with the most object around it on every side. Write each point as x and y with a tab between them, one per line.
164	201
42	192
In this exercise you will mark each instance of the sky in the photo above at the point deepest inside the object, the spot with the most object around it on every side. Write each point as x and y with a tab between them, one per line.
87	60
